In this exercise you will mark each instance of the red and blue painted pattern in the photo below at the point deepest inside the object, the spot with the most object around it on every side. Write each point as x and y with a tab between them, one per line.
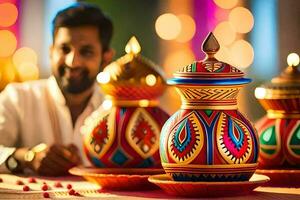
208	137
124	137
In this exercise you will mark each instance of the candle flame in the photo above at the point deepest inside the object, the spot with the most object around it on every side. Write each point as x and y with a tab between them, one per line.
133	46
293	59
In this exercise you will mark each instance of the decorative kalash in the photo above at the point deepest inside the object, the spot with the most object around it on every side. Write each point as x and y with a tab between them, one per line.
279	130
208	139
124	132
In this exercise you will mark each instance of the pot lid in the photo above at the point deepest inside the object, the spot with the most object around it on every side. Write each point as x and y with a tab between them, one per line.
285	85
210	70
132	76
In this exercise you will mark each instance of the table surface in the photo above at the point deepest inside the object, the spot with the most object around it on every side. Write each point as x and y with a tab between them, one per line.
10	190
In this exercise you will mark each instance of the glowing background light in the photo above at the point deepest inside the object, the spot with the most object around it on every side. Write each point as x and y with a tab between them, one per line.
8	73
242	53
8	14
188	28
27	71
224	55
25	55
224	33
150	80
178	59
167	26
226	4
293	59
8	43
241	19
264	38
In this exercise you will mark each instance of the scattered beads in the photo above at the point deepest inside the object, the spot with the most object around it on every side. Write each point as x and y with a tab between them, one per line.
31	180
26	188
19	182
71	192
58	184
69	186
77	194
45	187
46	195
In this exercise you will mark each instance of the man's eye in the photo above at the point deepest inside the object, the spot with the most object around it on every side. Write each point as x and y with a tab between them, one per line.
86	52
65	49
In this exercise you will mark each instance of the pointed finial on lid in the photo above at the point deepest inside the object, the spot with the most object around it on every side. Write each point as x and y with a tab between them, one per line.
133	46
210	45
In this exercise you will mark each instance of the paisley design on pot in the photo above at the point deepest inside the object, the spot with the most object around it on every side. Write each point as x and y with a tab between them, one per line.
142	133
235	143
186	140
102	133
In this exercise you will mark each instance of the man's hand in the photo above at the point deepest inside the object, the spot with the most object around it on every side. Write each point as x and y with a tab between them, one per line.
55	160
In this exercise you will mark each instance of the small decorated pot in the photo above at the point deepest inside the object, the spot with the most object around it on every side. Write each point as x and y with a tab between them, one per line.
279	130
208	139
125	130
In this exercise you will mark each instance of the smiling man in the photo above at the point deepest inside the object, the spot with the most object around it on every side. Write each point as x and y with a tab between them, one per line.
40	120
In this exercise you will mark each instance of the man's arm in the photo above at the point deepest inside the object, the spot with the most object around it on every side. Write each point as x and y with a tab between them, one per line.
9	116
51	161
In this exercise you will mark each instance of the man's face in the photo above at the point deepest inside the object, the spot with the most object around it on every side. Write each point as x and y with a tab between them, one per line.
76	58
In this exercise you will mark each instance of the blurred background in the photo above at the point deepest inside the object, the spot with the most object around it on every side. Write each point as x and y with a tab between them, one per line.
256	36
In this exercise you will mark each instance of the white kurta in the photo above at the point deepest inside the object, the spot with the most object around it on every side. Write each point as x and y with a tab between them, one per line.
25	119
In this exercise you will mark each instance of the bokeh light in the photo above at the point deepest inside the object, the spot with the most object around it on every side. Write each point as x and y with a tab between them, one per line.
241	19
242	53
224	55
224	33
25	55
168	26
226	4
8	14
8	73
27	71
293	59
8	43
221	15
188	28
178	59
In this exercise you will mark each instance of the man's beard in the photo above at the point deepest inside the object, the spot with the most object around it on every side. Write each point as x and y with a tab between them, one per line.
74	85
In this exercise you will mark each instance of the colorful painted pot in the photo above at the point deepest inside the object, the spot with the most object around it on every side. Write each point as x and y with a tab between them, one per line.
208	139
125	130
279	130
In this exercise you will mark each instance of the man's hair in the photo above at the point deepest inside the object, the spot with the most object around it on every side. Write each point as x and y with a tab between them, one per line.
83	14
